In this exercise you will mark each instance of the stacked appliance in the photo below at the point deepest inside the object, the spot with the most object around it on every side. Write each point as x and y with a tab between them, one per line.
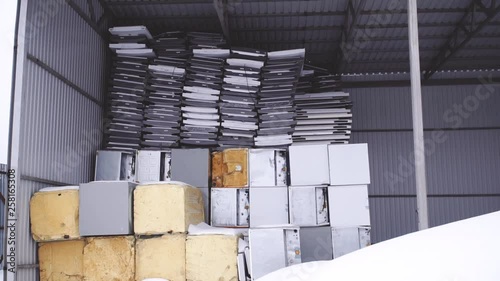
127	88
242	75
167	73
328	198
323	109
276	98
200	97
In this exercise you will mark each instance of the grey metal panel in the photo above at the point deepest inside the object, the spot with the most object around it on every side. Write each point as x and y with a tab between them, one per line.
106	208
316	243
439	104
192	166
390	163
390	108
381	108
446	210
466	162
61	129
66	43
392	217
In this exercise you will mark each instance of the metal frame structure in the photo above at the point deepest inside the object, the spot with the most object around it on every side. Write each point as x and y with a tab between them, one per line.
222	13
351	20
475	18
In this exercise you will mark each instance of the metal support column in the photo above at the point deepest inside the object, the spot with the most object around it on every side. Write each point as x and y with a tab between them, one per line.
418	126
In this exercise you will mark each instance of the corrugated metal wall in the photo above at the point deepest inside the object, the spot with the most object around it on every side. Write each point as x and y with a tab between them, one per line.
463	153
64	78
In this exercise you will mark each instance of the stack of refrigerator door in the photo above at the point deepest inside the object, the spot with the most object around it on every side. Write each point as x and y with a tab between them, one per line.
203	84
307	203
127	86
328	199
250	192
162	114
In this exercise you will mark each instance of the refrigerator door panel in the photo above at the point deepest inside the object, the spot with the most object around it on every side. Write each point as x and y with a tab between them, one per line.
349	205
148	166
269	206
309	165
316	243
262	167
302	206
230	207
350	239
349	164
115	166
267	251
308	205
224	207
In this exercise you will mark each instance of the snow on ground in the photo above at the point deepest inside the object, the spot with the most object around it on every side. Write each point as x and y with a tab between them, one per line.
462	251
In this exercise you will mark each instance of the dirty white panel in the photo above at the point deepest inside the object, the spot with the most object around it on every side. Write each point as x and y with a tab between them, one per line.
347	240
230	207
115	166
153	166
272	249
308	205
262	167
268	167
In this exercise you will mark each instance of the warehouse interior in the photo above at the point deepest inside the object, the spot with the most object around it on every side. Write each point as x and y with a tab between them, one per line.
366	42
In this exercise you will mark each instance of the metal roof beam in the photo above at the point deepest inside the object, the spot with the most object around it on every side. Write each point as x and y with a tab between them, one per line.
343	13
221	7
329	28
423	59
351	19
405	50
91	10
477	16
381	38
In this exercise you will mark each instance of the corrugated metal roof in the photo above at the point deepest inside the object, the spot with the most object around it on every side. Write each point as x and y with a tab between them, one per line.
379	39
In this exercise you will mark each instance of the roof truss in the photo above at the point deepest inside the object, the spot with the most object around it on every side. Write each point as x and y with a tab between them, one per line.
478	14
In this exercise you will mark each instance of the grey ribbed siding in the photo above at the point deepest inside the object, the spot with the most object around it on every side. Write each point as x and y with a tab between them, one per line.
60	124
462	164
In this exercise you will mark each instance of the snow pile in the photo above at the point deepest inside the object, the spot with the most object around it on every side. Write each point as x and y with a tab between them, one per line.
462	251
